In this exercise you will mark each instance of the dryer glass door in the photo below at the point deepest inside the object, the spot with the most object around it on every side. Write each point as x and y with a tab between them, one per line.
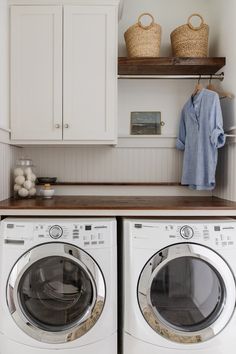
58	295
187	293
184	293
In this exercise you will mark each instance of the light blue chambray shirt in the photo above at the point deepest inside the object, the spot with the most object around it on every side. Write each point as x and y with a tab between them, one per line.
200	135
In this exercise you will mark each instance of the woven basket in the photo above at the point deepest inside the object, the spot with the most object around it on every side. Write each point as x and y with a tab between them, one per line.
143	41
190	41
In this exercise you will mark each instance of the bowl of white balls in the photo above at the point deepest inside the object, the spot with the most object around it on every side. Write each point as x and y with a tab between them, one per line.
24	179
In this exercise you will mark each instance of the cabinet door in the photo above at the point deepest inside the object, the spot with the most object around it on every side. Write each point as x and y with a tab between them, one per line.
36	72
90	73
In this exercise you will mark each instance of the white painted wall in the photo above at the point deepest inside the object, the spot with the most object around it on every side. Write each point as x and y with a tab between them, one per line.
226	37
224	46
8	156
169	14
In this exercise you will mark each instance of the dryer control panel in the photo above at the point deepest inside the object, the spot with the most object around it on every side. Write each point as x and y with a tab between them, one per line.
218	234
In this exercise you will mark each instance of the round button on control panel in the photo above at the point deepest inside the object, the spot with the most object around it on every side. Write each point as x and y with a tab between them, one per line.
186	232
56	231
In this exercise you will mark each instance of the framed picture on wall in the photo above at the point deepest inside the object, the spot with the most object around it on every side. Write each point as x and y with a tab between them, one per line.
145	123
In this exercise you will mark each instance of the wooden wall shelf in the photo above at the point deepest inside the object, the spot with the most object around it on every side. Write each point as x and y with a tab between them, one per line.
114	184
170	66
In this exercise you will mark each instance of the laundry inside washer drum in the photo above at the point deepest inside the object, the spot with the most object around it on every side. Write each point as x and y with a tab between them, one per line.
55	293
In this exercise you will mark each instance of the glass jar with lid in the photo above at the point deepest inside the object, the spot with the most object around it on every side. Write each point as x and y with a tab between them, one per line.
24	179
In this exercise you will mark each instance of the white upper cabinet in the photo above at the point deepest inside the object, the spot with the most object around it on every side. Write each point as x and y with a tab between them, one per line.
36	72
89	73
64	74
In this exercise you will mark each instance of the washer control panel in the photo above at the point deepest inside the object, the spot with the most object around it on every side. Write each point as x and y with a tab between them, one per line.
90	233
87	235
186	232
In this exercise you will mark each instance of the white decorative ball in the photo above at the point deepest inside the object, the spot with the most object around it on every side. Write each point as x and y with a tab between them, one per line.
23	192
27	184
17	187
18	171
33	177
32	192
28	171
20	180
28	176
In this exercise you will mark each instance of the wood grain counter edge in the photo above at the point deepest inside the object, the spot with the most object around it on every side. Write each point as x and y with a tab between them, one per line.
114	205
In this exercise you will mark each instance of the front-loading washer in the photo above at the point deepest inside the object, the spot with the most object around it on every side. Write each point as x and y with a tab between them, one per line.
179	289
58	281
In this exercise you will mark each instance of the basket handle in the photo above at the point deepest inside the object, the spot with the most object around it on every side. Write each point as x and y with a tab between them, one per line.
140	23
193	27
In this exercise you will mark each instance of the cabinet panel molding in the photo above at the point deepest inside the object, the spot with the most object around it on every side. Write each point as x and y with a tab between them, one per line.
89	73
36	72
64	74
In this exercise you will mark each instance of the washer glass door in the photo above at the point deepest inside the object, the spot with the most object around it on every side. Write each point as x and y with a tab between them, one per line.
55	297
183	293
55	292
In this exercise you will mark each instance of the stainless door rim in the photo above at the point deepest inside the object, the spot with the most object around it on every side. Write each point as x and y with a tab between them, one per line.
78	256
156	321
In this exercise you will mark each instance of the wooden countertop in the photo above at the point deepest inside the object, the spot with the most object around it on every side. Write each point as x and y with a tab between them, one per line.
118	206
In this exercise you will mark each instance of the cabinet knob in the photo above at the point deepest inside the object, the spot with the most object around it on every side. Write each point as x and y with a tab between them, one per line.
57	126
66	126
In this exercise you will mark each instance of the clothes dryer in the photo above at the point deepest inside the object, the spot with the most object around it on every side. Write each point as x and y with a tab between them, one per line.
179	286
58	286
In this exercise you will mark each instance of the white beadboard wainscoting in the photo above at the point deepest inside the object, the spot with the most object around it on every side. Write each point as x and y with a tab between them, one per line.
111	165
8	156
117	190
107	164
226	173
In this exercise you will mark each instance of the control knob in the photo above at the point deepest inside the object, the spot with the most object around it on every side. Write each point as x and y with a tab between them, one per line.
56	231
186	232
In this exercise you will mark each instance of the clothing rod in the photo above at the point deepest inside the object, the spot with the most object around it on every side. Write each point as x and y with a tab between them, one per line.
174	77
230	135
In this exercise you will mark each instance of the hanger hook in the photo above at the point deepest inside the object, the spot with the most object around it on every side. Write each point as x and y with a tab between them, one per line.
210	80
199	79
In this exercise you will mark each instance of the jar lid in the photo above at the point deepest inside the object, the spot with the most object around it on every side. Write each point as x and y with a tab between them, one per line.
25	162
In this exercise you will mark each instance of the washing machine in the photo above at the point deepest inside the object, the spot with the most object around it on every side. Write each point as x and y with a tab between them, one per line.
179	286
58	284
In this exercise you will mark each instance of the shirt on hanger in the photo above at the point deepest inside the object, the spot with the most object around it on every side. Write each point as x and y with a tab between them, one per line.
200	135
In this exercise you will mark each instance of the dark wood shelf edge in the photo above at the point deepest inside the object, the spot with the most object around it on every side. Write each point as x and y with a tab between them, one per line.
114	184
170	66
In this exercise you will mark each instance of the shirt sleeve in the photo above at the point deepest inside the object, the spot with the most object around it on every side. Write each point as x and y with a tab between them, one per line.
217	134
180	142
